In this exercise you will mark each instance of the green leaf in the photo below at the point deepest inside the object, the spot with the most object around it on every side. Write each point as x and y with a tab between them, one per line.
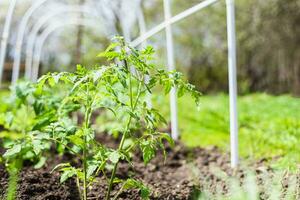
13	151
91	168
168	138
130	184
9	117
37	146
40	163
180	91
98	73
56	78
78	83
145	193
167	87
148	151
59	166
135	184
67	174
110	55
76	140
114	157
51	81
159	116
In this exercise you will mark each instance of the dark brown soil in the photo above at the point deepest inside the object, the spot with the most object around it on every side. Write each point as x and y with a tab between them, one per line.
177	177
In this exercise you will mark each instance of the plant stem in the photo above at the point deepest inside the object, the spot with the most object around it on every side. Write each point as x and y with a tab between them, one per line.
84	173
86	127
13	171
116	164
78	186
133	106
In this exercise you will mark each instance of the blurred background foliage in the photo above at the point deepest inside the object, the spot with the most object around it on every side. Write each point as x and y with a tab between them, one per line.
268	39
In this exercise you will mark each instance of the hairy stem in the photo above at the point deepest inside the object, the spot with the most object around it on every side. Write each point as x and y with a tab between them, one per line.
87	116
86	127
133	107
78	187
14	171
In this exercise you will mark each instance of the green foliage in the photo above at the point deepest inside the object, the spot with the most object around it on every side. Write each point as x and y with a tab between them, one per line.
268	126
135	184
119	88
268	55
25	116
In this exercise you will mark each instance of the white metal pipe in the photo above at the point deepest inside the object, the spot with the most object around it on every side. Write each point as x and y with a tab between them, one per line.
42	38
232	82
171	67
41	22
5	35
20	37
173	20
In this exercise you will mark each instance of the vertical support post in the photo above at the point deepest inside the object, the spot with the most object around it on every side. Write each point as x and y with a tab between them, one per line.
5	35
232	82
171	66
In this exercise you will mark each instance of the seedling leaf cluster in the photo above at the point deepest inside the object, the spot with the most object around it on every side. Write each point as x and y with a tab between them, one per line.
121	88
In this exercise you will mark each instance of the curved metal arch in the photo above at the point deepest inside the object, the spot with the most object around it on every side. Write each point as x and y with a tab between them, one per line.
42	21
172	20
5	34
20	37
42	38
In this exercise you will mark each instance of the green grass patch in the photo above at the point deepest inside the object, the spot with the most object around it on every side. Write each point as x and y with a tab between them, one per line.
269	126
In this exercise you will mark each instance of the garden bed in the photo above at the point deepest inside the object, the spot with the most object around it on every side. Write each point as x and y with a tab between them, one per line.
175	178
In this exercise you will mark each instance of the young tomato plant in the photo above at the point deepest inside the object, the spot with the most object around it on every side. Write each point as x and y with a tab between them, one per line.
24	115
27	114
119	88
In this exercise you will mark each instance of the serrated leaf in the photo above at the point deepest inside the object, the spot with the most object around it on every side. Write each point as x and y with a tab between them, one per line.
130	184
76	140
78	83
145	193
114	157
91	169
168	138
148	151
51	81
40	163
167	87
61	165
13	151
67	174
37	146
56	78
109	55
180	91
135	184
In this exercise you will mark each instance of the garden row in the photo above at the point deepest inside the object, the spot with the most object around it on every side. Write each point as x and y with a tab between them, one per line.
55	116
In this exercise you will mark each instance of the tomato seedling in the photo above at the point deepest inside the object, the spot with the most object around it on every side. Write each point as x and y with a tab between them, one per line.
120	88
